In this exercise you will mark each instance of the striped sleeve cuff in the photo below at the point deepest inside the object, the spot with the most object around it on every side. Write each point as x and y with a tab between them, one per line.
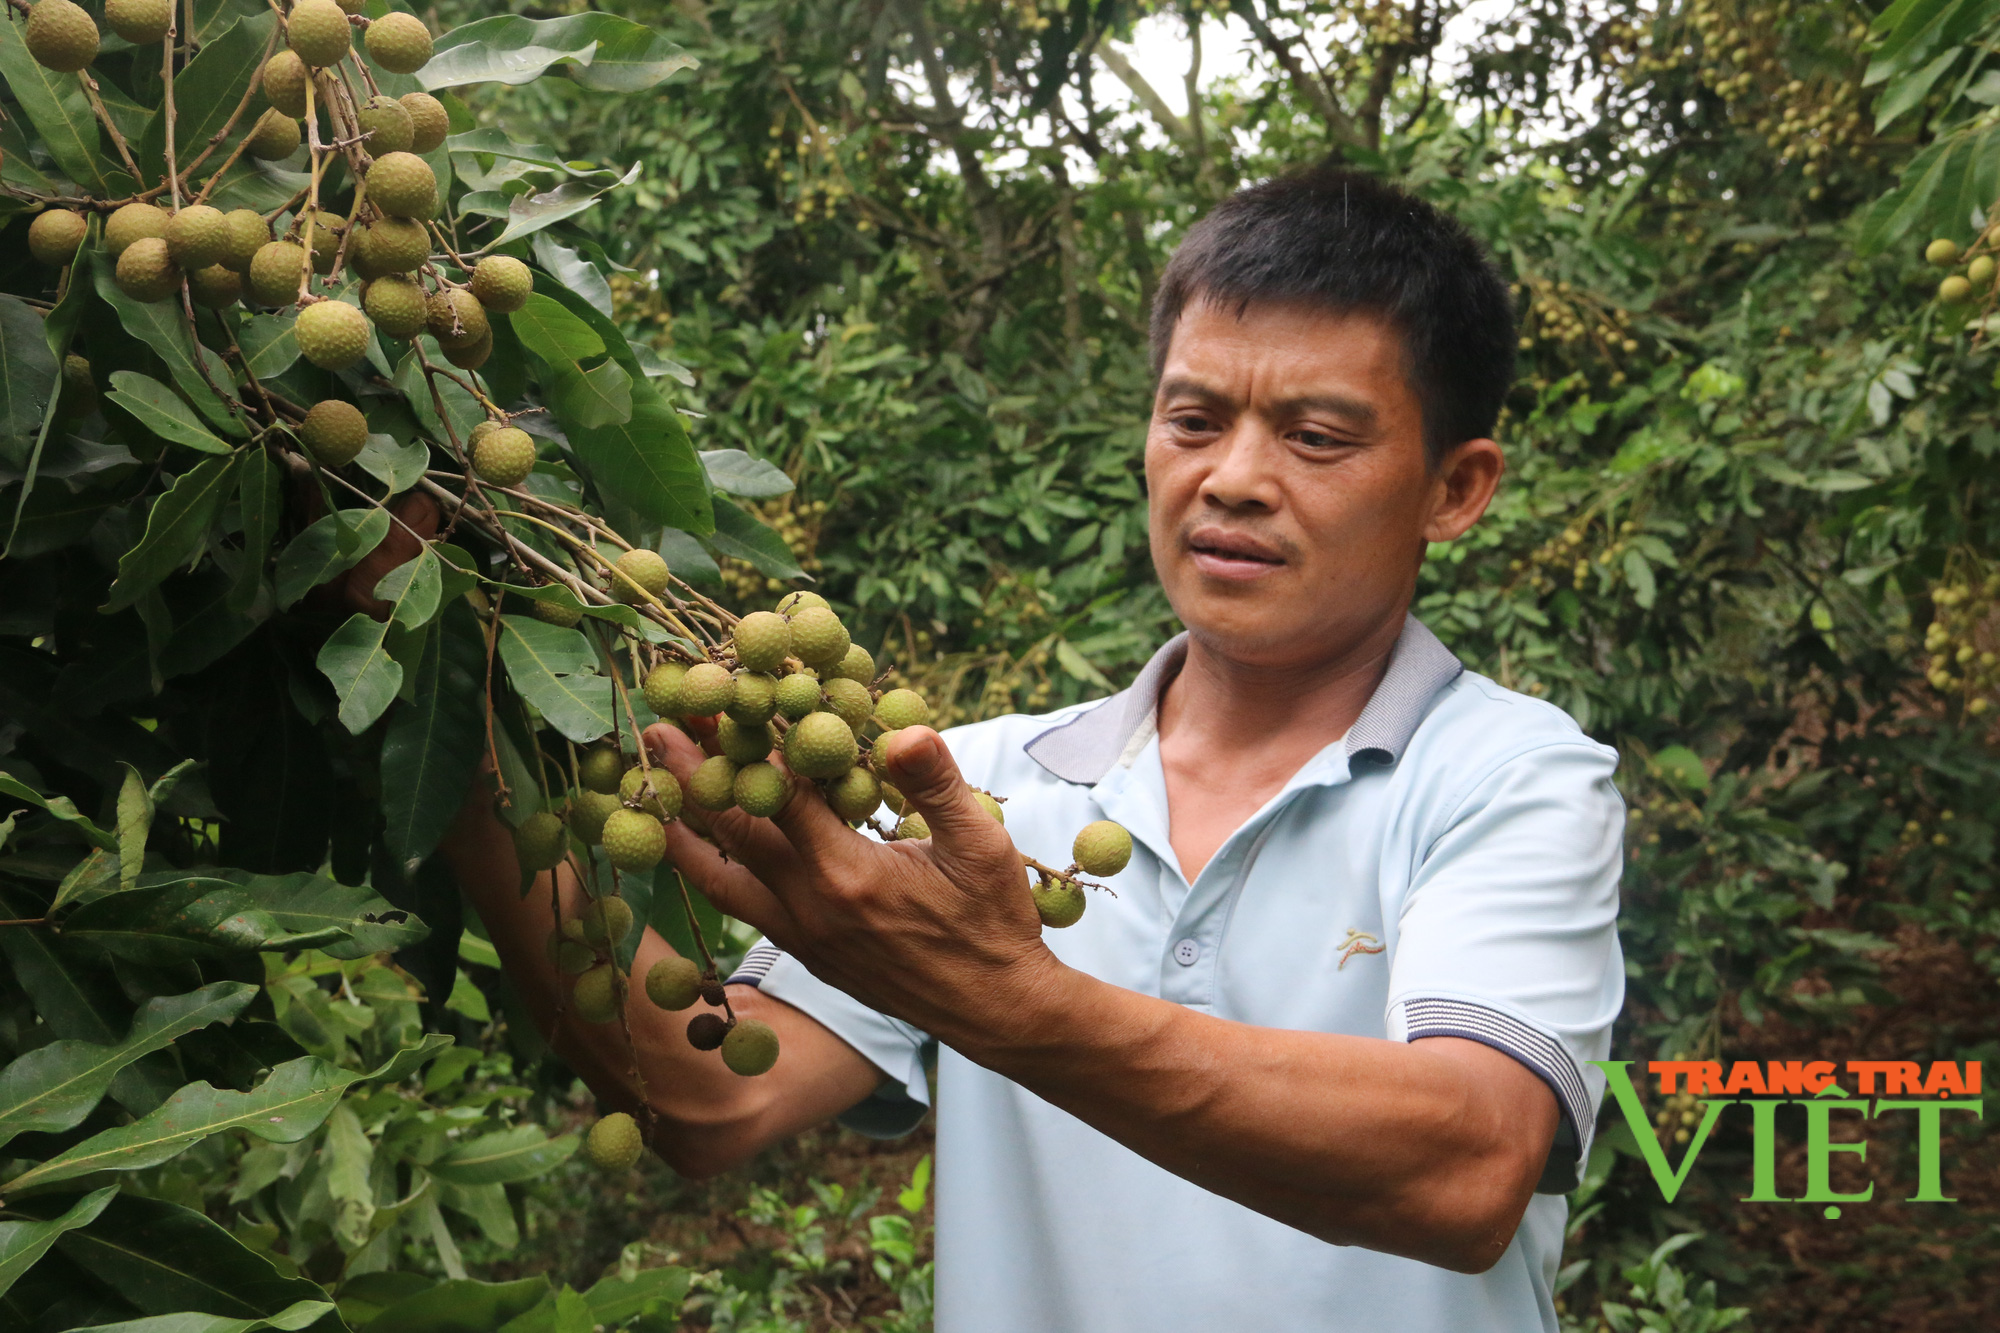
756	964
1544	1055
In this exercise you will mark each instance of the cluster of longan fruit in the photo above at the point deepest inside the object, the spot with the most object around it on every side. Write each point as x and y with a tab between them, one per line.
1976	281
1959	664
790	682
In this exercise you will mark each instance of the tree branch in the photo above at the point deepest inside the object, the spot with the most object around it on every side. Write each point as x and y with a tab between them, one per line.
1156	106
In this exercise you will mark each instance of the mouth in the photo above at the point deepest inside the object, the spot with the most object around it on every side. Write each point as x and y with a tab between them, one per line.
1221	553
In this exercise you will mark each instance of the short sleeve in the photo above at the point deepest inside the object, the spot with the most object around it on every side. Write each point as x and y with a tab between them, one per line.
1508	935
892	1046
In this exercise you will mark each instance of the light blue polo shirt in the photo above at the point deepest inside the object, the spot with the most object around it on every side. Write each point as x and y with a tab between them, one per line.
1449	868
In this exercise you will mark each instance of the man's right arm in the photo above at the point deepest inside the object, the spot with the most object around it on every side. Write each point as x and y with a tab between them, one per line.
705	1118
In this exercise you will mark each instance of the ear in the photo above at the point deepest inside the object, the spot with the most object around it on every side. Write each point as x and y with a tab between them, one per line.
1462	488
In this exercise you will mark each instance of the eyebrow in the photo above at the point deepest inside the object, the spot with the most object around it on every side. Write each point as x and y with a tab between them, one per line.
1351	410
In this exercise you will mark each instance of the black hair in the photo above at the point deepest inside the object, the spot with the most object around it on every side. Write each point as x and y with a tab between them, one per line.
1338	240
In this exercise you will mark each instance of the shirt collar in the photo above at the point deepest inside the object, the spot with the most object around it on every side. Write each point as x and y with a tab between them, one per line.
1086	746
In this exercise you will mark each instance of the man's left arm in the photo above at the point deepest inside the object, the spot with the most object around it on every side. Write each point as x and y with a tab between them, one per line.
1429	1149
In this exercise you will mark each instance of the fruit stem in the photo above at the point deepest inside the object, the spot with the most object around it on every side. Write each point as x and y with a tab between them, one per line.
167	81
242	104
1069	876
492	747
104	119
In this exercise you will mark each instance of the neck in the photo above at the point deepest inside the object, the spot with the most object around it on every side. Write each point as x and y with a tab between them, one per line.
1223	705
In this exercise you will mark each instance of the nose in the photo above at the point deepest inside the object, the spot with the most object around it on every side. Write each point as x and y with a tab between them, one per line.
1241	475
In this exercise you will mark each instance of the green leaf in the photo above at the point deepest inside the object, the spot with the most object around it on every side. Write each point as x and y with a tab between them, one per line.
22	1244
179	918
319	553
553	333
308	905
298	1315
413	589
159	411
56	106
206	93
166	1259
346	1156
433	744
555	670
365	677
1683	766
616	1298
588	399
261	502
461	1305
284	1108
54	1087
28	375
648	464
135	820
519	1152
527	214
268	344
744	537
573	271
737	473
197	372
397	466
610	54
176	530
61	807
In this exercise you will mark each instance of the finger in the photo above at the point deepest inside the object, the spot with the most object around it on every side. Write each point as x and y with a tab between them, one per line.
961	830
730	885
820	838
750	840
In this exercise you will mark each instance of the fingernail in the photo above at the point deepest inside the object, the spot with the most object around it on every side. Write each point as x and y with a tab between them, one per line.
917	756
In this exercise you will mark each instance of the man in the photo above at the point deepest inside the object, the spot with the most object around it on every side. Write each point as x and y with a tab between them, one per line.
1321	1062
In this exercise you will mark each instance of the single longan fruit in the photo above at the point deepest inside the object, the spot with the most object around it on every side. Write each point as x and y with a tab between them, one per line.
1059	903
402	184
541	842
847	700
794	602
599	994
797	695
1943	252
429	122
1102	848
818	637
750	1048
606	921
274	272
331	334
502	283
248	233
854	795
858	665
317	32
741	744
657	792
662	688
638	574
587	812
505	457
707	1031
285	78
334	432
215	286
55	234
706	690
761	789
902	708
198	236
145	271
555	613
755	700
761	640
456	319
133	222
674	983
140	22
61	36
600	769
614	1143
396	304
399	42
712	785
634	840
275	137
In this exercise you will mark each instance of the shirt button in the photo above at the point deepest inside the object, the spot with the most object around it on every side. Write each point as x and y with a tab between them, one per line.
1186	952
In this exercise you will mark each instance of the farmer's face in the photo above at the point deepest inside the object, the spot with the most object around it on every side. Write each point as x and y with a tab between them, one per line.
1290	503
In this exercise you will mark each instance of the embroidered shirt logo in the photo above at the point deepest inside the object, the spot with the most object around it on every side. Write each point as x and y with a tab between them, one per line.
1357	941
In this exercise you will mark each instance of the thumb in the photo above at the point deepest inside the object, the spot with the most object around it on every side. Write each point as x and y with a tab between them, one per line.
923	770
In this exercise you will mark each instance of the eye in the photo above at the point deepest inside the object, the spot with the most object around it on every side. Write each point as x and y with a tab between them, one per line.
1316	439
1194	423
